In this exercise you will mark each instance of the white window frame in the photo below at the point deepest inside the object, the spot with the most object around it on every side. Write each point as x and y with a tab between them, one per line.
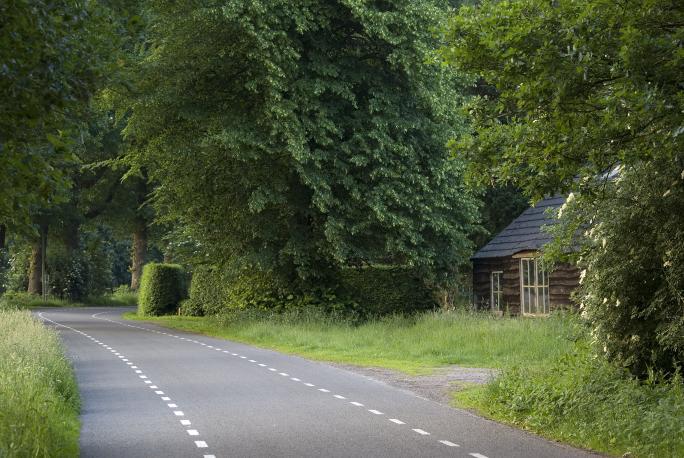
536	292
496	295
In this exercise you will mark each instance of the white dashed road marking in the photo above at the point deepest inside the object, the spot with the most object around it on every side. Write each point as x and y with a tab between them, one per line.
202	444
449	444
178	413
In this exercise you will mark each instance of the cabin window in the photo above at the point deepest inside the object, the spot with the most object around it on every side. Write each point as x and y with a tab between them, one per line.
534	287
497	291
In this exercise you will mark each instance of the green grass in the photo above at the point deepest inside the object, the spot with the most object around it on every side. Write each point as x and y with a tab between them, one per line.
587	402
39	401
412	345
550	383
22	300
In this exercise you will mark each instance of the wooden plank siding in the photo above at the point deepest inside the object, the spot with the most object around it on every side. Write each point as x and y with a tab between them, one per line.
562	281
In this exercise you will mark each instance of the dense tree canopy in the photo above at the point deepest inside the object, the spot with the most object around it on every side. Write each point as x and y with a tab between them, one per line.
578	87
304	135
51	60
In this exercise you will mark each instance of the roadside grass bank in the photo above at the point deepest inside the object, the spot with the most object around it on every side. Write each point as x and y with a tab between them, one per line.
410	344
21	300
39	401
585	401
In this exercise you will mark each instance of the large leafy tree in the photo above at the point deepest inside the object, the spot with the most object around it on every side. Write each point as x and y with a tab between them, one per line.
52	54
578	87
587	95
300	136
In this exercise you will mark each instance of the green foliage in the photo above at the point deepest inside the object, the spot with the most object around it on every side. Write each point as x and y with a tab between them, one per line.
500	206
632	262
409	343
16	276
219	291
383	290
302	136
162	288
53	55
213	290
576	87
590	403
15	300
124	295
84	270
39	402
361	293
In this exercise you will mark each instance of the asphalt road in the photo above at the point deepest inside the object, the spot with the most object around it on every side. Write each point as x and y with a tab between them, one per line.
149	391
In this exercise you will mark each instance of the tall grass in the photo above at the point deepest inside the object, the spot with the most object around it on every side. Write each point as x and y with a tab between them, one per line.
39	400
588	402
411	344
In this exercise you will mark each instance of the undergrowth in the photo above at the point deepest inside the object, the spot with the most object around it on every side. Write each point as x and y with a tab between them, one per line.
585	401
39	400
21	300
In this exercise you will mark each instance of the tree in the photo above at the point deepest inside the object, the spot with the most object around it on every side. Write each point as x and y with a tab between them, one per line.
52	57
587	96
581	86
302	136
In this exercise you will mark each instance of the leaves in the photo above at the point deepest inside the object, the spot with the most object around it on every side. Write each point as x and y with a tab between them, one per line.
579	87
302	136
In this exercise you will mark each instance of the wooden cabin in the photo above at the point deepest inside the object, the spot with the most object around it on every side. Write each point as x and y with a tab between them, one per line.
508	274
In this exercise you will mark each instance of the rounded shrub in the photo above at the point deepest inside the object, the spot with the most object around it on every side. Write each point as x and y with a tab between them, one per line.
162	288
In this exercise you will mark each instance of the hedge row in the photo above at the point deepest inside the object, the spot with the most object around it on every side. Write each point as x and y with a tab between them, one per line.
370	291
162	288
383	290
213	290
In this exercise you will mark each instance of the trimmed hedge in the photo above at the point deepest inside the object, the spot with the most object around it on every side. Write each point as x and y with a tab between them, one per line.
384	290
213	290
162	288
368	291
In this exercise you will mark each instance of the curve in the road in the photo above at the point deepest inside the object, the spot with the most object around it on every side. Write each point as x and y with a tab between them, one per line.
147	382
247	401
273	370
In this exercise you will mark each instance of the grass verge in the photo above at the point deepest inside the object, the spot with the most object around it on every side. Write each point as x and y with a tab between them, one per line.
39	402
22	300
587	402
409	344
549	384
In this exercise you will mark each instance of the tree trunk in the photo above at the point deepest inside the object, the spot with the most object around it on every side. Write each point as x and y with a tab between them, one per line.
138	256
3	236
35	284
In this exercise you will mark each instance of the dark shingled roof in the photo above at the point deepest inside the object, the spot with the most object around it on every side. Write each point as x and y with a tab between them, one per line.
524	233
